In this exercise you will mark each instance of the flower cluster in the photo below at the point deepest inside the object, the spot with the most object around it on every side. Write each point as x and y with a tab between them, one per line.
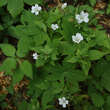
63	102
77	38
35	56
54	26
64	5
82	17
36	9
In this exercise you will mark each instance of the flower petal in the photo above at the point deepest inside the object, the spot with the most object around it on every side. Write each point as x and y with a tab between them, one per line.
67	101
37	12
39	8
63	98
86	20
64	105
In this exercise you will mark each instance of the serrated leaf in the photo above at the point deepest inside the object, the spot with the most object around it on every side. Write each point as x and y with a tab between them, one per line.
26	68
86	66
75	75
108	9
101	69
40	61
17	76
15	7
74	86
58	87
108	100
102	39
8	49
40	37
106	79
53	16
1	28
97	99
29	18
92	2
46	98
67	49
18	31
3	2
95	54
8	65
67	25
23	46
22	105
32	2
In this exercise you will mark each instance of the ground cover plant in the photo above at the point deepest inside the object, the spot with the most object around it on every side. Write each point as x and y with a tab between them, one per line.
54	55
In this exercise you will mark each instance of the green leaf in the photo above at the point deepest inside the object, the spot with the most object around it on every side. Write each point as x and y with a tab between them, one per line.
8	65
67	26
108	100
102	39
22	105
23	46
100	67
47	49
73	87
17	76
18	32
102	71
40	61
29	18
95	54
46	98
8	49
57	87
15	7
3	2
4	105
53	16
108	9
75	75
92	2
67	49
2	97
40	37
32	2
1	27
26	68
105	81
97	99
86	66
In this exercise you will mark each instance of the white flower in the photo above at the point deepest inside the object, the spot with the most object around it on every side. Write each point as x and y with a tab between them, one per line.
63	102
77	38
54	26
36	9
64	5
82	17
35	56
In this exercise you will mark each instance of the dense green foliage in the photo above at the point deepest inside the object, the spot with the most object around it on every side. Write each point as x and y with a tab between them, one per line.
79	72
